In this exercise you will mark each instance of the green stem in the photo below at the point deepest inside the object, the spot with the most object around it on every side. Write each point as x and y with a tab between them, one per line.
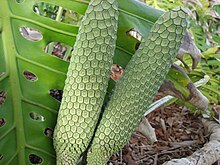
59	14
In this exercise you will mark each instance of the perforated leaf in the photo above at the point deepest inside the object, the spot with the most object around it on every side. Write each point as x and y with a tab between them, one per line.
28	75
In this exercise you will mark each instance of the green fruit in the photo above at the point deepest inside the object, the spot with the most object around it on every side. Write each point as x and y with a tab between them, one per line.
87	80
140	82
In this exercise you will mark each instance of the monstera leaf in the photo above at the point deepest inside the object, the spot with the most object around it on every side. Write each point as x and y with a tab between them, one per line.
28	75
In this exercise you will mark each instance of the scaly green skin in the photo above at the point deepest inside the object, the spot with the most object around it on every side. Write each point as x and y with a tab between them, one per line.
142	78
87	80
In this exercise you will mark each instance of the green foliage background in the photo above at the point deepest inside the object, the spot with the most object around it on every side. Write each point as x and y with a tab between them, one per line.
205	29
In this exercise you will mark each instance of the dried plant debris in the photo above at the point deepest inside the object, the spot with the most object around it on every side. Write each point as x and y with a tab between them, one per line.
209	154
178	132
116	72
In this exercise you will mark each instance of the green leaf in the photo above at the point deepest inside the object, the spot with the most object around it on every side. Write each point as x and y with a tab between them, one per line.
212	89
213	99
200	37
28	74
179	81
211	52
216	38
217	8
165	4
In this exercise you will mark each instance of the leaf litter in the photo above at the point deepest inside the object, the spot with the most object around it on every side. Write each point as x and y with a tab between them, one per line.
179	134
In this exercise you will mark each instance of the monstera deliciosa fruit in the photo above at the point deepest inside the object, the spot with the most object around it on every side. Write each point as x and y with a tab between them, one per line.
28	75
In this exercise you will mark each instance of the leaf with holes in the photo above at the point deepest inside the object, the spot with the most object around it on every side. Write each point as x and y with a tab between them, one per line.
34	51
